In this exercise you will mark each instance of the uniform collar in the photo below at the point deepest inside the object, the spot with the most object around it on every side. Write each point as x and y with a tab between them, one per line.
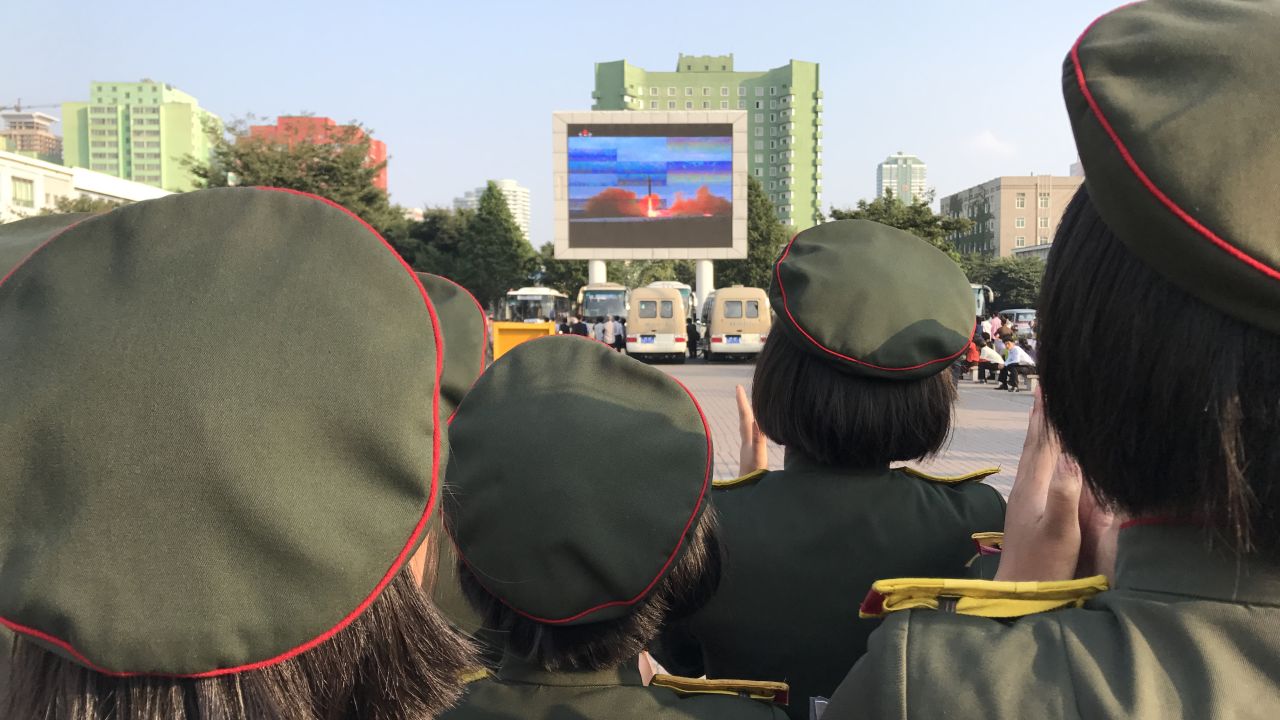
519	670
795	461
1178	559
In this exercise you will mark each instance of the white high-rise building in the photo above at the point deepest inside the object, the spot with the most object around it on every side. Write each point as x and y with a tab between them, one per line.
905	175
517	200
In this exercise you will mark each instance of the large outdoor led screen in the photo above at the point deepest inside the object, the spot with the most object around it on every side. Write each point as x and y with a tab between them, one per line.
650	186
636	187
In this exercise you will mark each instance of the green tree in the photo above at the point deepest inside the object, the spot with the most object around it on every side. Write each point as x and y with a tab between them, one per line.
493	256
765	238
917	218
81	204
431	244
1015	281
563	275
638	273
338	170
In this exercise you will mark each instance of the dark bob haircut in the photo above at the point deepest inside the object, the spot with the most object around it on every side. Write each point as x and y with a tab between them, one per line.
1178	415
837	418
689	584
399	660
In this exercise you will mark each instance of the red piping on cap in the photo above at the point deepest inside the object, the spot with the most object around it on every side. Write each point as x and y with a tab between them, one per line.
484	340
396	565
777	272
1142	177
702	495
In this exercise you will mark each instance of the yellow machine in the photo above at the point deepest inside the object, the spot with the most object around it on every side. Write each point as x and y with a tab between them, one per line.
507	335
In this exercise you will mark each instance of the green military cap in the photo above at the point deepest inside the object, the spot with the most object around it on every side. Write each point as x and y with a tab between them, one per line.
1172	105
219	434
873	300
602	474
20	238
466	337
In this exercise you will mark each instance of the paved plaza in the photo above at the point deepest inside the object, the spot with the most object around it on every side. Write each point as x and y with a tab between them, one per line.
989	428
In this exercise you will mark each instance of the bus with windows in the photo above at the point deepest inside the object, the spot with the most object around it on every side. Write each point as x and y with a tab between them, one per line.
535	304
738	322
686	293
598	300
656	325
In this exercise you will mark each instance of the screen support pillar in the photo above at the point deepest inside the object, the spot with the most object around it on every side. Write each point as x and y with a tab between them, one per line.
596	271
704	279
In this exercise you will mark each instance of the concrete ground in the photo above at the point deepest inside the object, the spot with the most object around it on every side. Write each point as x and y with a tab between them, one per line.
988	432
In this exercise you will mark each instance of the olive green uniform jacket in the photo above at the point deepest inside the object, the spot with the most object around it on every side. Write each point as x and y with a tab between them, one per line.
802	547
1185	633
523	691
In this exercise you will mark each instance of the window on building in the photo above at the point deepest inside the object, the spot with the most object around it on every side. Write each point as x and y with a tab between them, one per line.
24	192
759	117
653	91
1043	222
759	104
759	131
773	158
688	91
759	172
773	144
1044	240
773	90
706	91
759	157
706	105
1020	241
759	92
742	90
759	144
1020	200
688	104
773	117
653	104
671	91
742	104
1020	222
671	104
1044	200
724	92
724	104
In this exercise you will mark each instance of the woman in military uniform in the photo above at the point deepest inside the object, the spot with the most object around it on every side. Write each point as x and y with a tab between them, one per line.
221	447
577	560
848	387
1175	247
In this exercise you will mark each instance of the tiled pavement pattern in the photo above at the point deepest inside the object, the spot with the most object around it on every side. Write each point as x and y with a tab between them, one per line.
989	428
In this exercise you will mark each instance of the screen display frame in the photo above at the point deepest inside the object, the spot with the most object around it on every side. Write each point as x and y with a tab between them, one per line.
650	124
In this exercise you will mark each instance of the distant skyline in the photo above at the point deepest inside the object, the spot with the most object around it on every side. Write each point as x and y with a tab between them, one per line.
464	91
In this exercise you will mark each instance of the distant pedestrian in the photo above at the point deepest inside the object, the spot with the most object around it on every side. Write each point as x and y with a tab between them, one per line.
578	327
1019	362
691	336
607	334
989	363
619	334
995	324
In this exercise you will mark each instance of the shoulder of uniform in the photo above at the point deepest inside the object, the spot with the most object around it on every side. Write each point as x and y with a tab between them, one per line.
761	690
950	479
750	478
475	675
980	598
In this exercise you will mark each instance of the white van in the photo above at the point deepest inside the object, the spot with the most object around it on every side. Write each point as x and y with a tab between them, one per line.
738	322
656	324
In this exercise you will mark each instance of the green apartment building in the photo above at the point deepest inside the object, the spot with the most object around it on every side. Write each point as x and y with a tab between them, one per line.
784	117
137	131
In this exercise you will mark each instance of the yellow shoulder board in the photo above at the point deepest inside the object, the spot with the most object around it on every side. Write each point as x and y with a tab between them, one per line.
950	479
762	690
743	481
469	676
982	598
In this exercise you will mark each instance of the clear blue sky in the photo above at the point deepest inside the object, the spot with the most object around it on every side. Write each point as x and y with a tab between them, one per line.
464	91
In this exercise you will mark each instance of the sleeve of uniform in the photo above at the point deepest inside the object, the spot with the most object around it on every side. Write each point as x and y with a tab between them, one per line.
925	664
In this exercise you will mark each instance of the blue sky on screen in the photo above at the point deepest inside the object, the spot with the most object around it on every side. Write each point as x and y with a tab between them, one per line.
667	165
